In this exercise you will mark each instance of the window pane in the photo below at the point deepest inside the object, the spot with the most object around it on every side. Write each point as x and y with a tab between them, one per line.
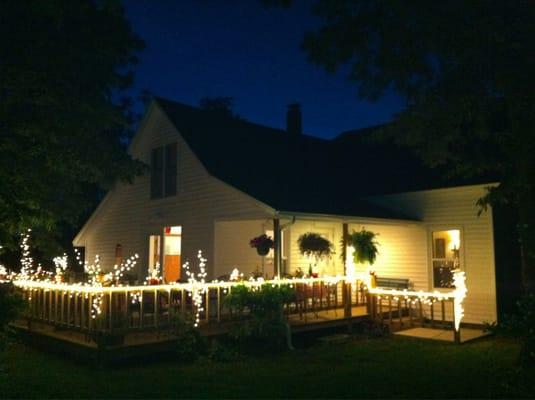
442	274
156	175
170	169
446	244
445	253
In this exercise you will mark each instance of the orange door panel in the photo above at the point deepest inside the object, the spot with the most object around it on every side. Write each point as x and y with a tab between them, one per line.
172	268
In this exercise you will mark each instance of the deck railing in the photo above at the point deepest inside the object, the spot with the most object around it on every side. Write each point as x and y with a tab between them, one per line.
124	309
404	307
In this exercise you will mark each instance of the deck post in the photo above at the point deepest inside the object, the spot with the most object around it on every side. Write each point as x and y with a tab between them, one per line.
346	292
219	304
456	332
110	309
277	247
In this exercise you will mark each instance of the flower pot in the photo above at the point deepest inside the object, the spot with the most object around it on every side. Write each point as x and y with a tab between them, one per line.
262	251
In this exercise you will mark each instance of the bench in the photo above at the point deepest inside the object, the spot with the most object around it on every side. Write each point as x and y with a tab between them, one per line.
392	283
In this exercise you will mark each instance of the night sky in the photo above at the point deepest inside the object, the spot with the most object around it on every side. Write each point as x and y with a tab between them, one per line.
206	48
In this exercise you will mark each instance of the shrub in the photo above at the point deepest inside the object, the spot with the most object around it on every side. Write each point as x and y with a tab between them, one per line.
521	325
189	344
11	306
265	328
223	351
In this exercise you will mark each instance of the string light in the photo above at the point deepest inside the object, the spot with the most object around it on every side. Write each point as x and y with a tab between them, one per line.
33	279
197	285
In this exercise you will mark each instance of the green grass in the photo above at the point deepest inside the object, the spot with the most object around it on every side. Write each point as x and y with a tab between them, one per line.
365	368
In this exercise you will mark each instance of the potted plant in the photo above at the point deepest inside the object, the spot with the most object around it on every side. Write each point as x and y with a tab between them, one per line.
262	244
315	247
365	248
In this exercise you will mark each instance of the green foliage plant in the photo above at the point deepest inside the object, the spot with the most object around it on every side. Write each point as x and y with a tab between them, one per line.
365	246
189	344
521	325
314	245
11	306
264	326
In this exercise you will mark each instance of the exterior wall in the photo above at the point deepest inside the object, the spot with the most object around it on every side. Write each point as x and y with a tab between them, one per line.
446	209
232	248
127	216
331	230
402	252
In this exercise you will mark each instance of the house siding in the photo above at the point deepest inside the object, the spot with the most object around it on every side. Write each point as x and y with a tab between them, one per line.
128	216
446	209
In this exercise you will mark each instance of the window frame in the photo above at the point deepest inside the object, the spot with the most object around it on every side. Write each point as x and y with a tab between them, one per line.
462	265
159	177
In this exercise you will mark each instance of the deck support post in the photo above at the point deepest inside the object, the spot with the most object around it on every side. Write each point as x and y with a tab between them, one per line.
277	247
346	292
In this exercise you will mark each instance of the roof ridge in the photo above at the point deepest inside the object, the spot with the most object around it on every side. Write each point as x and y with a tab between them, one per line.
237	119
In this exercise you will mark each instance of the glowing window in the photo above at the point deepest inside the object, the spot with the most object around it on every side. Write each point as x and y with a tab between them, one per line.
446	246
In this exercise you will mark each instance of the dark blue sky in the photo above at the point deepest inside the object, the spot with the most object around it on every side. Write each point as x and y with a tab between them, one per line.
240	49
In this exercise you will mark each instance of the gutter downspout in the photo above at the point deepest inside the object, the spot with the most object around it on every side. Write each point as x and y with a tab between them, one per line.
277	230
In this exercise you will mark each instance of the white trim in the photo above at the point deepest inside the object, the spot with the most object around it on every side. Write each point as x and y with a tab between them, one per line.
493	258
446	188
347	218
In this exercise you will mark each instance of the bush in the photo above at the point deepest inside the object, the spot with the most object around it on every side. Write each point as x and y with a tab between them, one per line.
11	306
223	351
521	325
265	328
189	344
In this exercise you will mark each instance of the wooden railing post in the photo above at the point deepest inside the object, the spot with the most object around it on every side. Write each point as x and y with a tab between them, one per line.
347	299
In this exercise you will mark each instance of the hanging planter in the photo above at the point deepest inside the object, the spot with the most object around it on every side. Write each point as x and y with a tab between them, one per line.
364	245
263	244
314	245
263	251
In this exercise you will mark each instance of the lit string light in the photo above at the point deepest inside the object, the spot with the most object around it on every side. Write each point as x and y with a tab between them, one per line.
197	285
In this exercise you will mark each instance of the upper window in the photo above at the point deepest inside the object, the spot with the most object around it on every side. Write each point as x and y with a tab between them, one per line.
445	257
163	171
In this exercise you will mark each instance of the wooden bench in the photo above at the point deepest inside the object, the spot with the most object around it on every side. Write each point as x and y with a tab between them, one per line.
392	283
392	306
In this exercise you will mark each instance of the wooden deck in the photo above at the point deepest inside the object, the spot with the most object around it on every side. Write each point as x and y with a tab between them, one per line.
306	322
466	334
158	341
141	319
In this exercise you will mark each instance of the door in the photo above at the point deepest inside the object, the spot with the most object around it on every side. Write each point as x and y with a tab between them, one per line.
172	253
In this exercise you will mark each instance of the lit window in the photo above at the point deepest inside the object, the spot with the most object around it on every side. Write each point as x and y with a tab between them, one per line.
445	256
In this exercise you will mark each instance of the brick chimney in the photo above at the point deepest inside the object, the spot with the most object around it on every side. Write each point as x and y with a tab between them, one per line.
293	119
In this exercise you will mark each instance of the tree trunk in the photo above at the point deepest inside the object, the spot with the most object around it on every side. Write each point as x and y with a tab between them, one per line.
526	234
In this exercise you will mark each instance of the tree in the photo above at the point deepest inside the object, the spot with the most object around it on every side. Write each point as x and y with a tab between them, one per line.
63	129
465	69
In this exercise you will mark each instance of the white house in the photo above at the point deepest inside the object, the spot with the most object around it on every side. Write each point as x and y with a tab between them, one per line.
217	181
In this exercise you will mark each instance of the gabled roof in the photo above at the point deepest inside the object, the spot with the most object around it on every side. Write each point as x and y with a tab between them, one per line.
291	173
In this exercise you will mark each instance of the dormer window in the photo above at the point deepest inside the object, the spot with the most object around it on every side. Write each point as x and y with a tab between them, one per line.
163	176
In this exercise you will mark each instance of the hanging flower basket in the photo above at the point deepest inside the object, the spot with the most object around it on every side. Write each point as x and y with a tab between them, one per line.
314	245
365	246
262	244
262	251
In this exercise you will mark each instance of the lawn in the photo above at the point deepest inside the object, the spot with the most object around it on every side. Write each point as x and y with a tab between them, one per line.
364	368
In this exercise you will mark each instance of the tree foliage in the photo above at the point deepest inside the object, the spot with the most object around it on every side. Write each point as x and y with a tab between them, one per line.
465	69
63	65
